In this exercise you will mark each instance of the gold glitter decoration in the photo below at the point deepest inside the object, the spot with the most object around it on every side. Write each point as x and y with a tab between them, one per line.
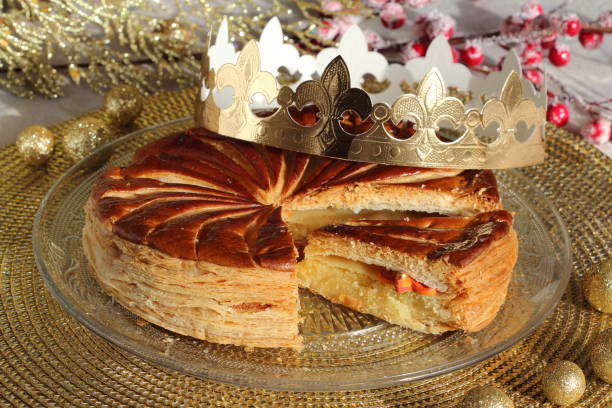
486	396
601	356
123	104
563	382
47	358
148	44
35	144
85	136
598	286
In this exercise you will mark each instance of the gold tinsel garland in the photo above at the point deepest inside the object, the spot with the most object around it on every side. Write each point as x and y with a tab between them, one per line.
145	43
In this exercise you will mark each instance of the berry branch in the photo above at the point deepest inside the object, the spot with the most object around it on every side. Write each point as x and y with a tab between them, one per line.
532	32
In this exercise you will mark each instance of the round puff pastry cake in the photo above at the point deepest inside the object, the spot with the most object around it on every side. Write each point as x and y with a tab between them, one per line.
199	234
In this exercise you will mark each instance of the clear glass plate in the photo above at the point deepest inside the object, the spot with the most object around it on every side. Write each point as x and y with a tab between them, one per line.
344	349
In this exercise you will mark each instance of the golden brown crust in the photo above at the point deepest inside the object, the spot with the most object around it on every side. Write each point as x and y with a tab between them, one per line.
457	241
196	195
255	307
482	286
457	195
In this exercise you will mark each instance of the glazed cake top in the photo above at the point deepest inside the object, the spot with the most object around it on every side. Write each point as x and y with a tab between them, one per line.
200	196
456	240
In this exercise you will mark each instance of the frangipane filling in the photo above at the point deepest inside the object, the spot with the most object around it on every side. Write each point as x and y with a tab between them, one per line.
357	285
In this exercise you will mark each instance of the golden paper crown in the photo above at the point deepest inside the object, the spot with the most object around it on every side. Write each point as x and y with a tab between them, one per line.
475	144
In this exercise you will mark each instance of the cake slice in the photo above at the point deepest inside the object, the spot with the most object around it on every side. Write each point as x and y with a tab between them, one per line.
389	188
430	274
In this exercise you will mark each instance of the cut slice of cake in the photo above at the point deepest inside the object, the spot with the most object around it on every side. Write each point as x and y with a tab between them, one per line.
386	193
363	186
430	274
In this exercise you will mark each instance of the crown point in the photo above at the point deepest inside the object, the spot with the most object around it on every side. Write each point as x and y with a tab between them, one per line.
332	94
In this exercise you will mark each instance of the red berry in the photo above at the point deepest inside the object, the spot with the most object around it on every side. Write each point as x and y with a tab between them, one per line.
531	54
533	75
419	26
437	23
448	32
570	26
531	10
557	114
597	132
332	6
472	55
419	49
328	30
393	16
412	50
559	55
455	55
375	40
547	45
590	39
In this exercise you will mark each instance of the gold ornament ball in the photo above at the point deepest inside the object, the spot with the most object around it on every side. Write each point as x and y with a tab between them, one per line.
179	38
601	356
598	286
123	104
35	144
486	396
84	137
563	382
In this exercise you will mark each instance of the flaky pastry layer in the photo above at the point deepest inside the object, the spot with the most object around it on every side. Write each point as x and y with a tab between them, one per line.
254	307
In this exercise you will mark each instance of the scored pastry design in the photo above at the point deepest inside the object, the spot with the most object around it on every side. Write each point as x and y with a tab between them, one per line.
198	233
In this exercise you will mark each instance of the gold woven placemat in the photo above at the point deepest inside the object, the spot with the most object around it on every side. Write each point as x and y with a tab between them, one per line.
48	359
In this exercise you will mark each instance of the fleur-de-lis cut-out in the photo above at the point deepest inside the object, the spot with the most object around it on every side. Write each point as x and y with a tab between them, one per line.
510	109
429	106
246	79
337	81
332	95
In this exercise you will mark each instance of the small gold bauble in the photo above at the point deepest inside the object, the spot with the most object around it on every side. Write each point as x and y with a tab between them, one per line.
601	356
598	286
563	382
179	35
486	396
85	136
35	144
123	104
